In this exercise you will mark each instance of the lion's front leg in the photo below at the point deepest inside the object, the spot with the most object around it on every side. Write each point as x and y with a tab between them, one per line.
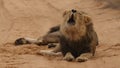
55	52
69	57
84	57
49	53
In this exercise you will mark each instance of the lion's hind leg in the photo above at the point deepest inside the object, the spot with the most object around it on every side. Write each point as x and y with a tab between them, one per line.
21	41
45	40
52	36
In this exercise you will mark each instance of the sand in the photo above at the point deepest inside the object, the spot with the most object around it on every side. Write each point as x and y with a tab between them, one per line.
33	18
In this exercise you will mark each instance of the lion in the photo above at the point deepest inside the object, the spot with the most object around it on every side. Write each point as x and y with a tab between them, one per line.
76	37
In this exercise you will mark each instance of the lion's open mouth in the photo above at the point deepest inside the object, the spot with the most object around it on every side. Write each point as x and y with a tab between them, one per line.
71	20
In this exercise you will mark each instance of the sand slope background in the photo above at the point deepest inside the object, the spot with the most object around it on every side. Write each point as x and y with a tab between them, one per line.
33	18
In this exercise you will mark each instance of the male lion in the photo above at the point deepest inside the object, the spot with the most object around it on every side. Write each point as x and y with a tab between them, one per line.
76	36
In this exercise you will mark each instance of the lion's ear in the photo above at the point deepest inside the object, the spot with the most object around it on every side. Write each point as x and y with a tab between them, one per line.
87	20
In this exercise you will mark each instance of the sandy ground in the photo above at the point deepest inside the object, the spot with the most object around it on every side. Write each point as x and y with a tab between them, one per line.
33	18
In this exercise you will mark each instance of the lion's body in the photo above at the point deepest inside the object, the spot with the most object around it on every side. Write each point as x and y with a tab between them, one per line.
76	36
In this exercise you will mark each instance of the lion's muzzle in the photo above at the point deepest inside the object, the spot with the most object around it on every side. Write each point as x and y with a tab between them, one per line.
71	20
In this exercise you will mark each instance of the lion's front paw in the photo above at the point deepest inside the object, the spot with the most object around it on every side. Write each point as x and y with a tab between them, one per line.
81	59
69	57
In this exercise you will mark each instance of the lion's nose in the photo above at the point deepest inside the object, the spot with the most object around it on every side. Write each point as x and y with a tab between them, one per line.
74	11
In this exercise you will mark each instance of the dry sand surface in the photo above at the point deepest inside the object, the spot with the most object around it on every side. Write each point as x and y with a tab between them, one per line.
33	18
